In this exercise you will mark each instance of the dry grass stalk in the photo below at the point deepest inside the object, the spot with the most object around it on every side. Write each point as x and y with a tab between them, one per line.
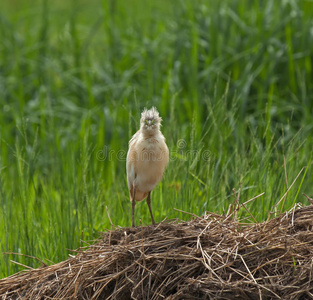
208	257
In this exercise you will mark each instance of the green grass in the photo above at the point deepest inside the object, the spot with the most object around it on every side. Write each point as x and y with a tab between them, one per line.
231	79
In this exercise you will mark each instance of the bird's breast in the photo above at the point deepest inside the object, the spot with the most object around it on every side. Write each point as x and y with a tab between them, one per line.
152	158
146	160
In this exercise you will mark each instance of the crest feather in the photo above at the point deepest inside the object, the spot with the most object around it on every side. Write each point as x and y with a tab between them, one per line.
150	115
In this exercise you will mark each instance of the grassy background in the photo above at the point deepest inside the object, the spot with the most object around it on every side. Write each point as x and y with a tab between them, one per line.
232	80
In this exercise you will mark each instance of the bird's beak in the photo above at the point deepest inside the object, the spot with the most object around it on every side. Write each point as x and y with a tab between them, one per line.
149	122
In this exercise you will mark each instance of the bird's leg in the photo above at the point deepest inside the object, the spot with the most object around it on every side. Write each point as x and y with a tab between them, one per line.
133	207
149	205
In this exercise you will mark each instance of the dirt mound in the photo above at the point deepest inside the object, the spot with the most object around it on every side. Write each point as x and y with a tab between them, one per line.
209	257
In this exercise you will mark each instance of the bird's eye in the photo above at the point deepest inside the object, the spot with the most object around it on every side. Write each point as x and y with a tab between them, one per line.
153	121
146	122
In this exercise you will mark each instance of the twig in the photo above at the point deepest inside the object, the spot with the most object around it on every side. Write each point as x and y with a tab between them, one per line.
236	206
110	234
253	198
309	198
230	208
186	212
81	267
285	168
24	266
112	225
25	255
249	212
275	206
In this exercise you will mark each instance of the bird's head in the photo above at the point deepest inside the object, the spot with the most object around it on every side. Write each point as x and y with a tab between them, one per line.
150	120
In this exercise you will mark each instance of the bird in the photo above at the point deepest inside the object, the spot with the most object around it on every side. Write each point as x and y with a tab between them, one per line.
147	158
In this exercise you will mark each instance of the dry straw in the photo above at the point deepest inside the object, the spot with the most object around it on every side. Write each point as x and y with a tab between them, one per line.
209	257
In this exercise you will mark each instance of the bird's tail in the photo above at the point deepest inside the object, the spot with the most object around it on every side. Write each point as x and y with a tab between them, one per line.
139	195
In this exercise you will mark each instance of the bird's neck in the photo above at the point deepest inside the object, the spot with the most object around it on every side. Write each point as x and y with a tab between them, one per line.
150	134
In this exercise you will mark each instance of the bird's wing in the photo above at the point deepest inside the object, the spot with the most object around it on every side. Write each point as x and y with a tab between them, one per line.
131	160
134	137
131	174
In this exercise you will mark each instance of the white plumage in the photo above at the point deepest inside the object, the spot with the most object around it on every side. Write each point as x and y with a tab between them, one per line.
147	158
